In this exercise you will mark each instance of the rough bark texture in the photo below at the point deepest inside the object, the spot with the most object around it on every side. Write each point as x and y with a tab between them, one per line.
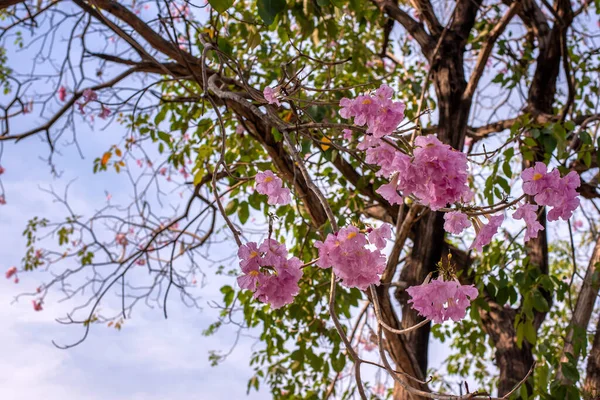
592	378
583	308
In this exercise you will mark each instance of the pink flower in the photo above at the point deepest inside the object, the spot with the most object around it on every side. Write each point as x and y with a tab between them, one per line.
436	175
578	224
10	272
2	199
455	222
378	111
389	191
62	93
379	235
347	134
486	232
389	159
89	95
549	189
368	345
528	213
269	184
271	95
1	170
441	300
536	179
379	390
183	172
37	305
140	261
269	273
239	129
353	263
121	239
163	171
105	113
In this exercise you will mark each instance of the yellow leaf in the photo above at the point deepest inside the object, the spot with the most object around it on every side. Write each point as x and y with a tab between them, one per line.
118	152
324	146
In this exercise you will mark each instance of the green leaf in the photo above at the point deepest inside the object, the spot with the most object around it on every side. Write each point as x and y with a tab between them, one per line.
268	9
338	363
539	302
570	372
244	212
529	331
220	5
231	207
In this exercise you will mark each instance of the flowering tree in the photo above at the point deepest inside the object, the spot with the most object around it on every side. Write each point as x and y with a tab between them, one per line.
382	167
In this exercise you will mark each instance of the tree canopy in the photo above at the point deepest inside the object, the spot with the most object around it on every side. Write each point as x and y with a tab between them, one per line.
373	168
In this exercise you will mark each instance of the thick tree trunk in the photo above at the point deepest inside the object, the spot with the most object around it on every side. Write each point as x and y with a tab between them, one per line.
449	81
592	378
582	312
512	361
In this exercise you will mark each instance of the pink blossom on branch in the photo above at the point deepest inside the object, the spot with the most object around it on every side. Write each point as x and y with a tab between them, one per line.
353	263
121	239
485	232
104	113
549	189
10	272
1	170
62	93
379	235
528	213
455	222
389	191
271	185
272	95
441	300
89	95
37	305
436	175
268	273
381	115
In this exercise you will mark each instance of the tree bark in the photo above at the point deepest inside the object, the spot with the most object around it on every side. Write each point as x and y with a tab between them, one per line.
583	309
592	378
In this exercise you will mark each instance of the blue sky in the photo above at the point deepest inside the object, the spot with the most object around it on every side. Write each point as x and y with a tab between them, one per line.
150	358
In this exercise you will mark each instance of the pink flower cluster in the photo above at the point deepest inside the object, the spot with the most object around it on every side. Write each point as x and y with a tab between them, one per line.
441	300
271	185
378	111
528	213
272	95
353	262
455	222
549	189
436	174
269	273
